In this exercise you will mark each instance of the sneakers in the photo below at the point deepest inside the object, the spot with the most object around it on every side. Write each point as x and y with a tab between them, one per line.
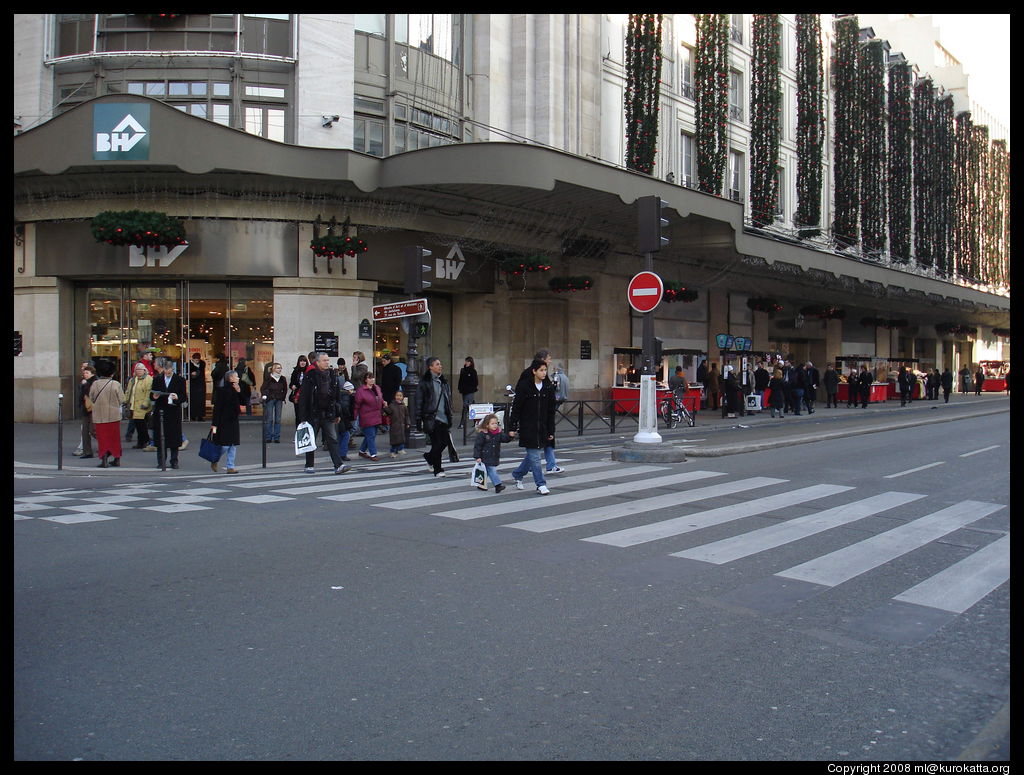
543	490
184	444
342	469
439	474
556	470
519	483
498	488
482	487
309	470
149	448
365	454
231	471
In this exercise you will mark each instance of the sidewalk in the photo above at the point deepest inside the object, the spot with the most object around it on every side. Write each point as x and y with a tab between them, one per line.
35	445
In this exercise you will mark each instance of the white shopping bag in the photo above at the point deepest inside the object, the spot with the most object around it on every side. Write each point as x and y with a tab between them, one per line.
304	439
478	475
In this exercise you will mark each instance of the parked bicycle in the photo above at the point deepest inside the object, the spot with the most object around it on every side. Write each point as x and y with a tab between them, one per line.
673	410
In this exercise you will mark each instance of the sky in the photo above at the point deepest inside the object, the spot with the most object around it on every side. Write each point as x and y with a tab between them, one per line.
981	41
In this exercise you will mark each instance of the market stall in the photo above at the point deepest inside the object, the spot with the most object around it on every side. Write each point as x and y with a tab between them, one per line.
892	367
628	362
878	369
995	376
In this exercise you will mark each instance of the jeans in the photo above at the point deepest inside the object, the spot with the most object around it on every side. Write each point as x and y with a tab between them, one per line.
272	419
798	395
343	443
369	440
549	458
230	452
330	430
397	448
492	473
532	462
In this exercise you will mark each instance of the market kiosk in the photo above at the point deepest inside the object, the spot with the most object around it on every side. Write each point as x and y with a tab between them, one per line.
892	377
879	388
627	364
995	375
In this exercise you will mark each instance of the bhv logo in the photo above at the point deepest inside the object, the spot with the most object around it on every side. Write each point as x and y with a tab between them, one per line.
120	132
451	267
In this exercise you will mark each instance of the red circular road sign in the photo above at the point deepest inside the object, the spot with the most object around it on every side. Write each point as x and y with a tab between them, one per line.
645	291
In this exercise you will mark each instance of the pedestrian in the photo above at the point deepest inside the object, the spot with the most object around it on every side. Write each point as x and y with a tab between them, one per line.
561	383
864	380
903	383
830	379
146	359
797	387
947	384
390	377
979	381
468	384
931	384
526	379
435	412
295	383
88	377
676	382
776	394
398	413
342	369
812	378
533	418
346	404
1007	382
359	370
227	403
168	392
965	379
761	378
220	368
368	404
487	449
853	384
196	388
732	396
139	401
246	381
106	397
320	406
712	386
275	390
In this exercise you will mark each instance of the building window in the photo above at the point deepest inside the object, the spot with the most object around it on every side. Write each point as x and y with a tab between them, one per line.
687	146
435	33
265	121
780	194
368	136
736	95
686	72
736	176
75	33
736	28
372	23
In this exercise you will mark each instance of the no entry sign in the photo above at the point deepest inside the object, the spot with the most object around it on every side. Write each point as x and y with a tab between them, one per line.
645	291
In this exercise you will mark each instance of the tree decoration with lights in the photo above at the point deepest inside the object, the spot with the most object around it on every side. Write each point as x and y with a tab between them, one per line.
999	222
520	265
846	131
643	90
810	124
899	188
825	312
871	78
924	173
331	245
571	284
142	228
678	292
711	110
943	174
765	105
966	200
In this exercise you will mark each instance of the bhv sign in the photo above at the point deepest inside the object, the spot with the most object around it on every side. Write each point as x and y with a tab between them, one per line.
120	131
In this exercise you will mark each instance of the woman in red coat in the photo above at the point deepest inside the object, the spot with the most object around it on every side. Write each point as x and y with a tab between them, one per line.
369	402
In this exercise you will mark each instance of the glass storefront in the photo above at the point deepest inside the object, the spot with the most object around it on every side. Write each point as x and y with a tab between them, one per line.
120	321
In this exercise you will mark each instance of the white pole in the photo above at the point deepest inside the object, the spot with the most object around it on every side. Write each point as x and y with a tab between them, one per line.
647	433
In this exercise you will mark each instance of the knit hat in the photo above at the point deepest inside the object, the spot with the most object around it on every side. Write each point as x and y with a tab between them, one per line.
349	386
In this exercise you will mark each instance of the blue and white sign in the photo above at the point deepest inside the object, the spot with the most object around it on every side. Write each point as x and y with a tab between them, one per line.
120	131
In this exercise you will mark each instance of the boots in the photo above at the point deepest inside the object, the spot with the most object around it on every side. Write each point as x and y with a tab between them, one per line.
103	462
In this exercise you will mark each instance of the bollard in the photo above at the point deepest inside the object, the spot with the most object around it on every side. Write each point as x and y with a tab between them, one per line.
263	433
60	432
162	450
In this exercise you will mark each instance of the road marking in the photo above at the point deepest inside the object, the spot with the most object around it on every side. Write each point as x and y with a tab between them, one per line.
983	449
962	585
729	549
913	470
680	525
842	565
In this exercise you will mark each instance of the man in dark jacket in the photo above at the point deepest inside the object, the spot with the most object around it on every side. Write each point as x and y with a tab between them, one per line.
168	393
947	383
811	380
797	387
864	381
390	377
831	381
435	412
320	406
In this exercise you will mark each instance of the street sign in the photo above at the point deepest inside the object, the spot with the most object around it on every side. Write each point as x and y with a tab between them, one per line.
399	309
645	291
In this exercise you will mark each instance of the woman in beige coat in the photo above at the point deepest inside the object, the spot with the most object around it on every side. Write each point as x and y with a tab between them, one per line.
107	396
137	399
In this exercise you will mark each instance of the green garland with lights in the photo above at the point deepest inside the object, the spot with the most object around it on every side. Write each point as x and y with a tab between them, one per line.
846	132
924	173
518	265
871	78
678	292
571	284
711	110
900	168
810	124
643	89
765	106
142	228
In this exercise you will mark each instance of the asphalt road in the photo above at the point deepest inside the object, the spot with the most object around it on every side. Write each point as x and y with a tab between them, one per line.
794	604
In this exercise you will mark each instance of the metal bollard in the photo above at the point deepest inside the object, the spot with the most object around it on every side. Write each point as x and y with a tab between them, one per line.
60	432
263	432
162	451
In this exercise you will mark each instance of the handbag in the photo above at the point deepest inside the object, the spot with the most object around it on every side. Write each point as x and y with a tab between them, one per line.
478	475
88	402
208	450
304	439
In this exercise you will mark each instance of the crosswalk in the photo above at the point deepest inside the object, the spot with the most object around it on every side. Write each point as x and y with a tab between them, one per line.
622	506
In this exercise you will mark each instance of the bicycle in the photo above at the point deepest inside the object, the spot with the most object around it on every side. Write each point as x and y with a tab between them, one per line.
673	411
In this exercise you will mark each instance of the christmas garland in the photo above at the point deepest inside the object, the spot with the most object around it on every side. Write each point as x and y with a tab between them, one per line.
333	246
764	305
1001	332
871	75
999	223
765	104
956	329
522	265
942	224
643	88
966	205
678	292
142	228
924	171
846	132
889	323
711	110
823	312
899	162
571	284
810	124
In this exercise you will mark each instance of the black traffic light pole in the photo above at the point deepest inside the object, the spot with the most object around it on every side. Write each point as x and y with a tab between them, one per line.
650	222
414	285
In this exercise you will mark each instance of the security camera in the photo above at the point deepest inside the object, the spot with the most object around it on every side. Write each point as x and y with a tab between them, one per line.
327	121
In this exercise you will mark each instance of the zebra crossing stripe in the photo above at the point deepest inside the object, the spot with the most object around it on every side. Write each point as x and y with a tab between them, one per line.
962	585
510	505
671	500
729	549
834	568
685	524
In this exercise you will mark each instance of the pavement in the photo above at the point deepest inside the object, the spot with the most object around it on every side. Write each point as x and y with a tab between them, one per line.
36	444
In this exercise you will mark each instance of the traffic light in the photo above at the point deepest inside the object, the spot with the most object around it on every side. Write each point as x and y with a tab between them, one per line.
651	223
415	269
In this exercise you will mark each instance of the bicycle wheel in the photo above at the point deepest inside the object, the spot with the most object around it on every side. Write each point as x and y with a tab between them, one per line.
668	415
688	416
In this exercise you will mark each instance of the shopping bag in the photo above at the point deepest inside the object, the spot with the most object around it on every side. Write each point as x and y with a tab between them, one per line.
210	451
478	475
305	440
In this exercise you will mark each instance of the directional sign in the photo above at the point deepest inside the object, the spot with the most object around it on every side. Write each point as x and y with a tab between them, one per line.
400	309
645	291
